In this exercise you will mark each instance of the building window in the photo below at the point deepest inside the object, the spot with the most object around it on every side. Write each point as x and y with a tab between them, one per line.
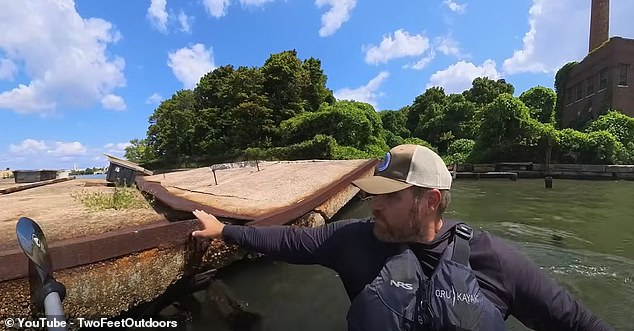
603	79
569	95
623	74
579	91
590	86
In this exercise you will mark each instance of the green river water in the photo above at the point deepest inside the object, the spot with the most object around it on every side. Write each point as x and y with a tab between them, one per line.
579	232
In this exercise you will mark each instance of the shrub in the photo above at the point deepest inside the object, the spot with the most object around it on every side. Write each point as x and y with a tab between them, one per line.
122	197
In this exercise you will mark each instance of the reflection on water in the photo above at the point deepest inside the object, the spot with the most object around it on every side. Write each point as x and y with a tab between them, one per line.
580	232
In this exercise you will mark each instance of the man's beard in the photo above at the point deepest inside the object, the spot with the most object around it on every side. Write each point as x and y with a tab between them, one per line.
386	233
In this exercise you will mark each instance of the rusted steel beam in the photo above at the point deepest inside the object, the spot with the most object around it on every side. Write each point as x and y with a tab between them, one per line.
94	248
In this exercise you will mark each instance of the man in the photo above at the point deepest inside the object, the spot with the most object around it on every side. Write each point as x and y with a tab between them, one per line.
407	268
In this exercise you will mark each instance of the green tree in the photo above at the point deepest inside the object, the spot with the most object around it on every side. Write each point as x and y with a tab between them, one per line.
350	123
313	87
459	151
213	89
442	124
211	131
504	126
541	102
139	152
484	90
283	82
430	126
423	104
171	126
459	118
249	120
395	121
618	124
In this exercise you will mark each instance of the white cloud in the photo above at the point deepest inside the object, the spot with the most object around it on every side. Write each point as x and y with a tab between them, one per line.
41	148
7	69
454	6
28	147
254	3
459	76
63	54
422	63
216	8
538	53
116	148
154	99
41	154
331	20
338	14
185	22
157	14
189	64
367	93
444	45
448	46
113	102
401	45
62	149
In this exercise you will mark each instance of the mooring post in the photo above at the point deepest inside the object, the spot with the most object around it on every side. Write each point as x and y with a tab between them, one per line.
257	165
548	181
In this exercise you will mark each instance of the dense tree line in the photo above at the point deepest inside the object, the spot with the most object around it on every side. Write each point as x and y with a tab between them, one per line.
283	110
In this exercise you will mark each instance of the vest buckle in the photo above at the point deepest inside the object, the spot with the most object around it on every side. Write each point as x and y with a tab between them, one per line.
464	231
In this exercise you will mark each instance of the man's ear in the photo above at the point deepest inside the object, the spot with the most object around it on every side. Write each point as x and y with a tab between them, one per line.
433	200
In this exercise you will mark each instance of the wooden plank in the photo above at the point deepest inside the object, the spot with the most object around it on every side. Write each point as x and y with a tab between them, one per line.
22	187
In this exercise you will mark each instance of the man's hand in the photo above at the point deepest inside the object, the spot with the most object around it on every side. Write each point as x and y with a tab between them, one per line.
212	227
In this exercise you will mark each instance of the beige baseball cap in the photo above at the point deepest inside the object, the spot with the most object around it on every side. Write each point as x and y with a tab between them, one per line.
405	166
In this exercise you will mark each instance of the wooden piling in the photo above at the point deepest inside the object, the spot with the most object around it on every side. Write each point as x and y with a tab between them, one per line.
548	181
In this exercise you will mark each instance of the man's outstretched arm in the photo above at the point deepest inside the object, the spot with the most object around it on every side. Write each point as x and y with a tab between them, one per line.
299	245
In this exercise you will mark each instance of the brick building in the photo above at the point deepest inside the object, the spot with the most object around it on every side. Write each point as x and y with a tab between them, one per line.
603	79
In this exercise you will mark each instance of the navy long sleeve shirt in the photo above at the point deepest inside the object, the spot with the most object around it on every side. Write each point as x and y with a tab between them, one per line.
508	278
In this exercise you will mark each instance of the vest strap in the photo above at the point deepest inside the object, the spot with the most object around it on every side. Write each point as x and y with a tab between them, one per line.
461	250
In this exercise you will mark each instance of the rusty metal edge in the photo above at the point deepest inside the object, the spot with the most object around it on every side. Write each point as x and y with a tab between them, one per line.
94	248
290	213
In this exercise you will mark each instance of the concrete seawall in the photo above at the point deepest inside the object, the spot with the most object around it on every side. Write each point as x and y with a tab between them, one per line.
565	171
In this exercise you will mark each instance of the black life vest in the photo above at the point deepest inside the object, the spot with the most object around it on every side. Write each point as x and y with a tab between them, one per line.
401	297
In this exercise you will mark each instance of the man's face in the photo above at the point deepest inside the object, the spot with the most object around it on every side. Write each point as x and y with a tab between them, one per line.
398	217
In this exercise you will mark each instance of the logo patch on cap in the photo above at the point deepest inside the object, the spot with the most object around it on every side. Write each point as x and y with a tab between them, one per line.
385	163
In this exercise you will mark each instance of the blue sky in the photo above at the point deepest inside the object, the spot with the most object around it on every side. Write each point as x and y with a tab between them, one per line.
80	78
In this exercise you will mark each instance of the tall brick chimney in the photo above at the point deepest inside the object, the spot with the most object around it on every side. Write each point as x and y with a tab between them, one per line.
599	23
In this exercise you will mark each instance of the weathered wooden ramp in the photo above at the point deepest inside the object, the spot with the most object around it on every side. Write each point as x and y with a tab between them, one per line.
114	260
